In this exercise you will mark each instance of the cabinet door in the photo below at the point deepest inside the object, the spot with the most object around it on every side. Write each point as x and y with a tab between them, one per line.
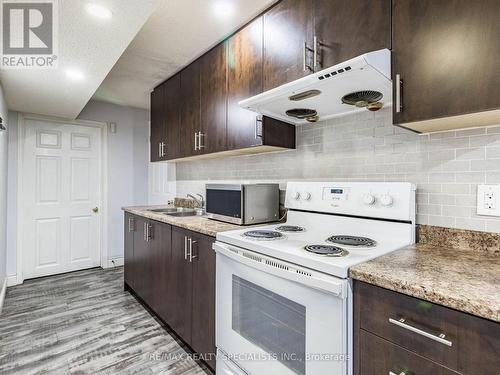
446	53
129	230
141	263
190	108
244	70
287	26
160	258
349	28
379	356
172	117
157	123
181	282
203	320
213	99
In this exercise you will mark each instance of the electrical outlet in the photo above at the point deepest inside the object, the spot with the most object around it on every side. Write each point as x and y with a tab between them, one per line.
488	197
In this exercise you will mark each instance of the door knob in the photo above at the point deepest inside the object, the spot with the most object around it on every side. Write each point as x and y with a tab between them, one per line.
95	209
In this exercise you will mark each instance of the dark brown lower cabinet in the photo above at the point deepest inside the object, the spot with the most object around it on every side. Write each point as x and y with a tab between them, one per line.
128	253
159	257
203	313
379	356
172	270
142	271
385	340
181	285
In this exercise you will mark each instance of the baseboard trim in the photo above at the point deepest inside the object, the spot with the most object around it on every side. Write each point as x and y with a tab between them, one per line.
12	280
115	262
2	293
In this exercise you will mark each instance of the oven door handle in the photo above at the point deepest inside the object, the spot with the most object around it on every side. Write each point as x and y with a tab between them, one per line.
328	284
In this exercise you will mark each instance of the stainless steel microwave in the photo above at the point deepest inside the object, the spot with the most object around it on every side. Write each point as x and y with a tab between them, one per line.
243	204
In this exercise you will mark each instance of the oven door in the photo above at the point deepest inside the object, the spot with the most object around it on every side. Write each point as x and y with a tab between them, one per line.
277	318
225	203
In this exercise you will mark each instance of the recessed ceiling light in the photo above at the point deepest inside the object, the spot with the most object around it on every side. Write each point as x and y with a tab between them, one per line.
223	8
99	11
75	74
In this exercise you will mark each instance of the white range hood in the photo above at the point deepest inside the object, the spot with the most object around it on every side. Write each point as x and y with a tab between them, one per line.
368	75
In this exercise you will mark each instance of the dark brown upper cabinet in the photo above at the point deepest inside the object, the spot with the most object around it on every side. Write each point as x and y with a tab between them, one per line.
157	134
244	69
445	63
287	37
190	109
348	28
213	100
301	37
172	114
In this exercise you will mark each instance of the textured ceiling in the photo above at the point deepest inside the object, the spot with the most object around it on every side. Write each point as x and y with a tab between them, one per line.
176	33
86	43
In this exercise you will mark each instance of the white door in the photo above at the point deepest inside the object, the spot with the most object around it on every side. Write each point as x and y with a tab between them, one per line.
61	192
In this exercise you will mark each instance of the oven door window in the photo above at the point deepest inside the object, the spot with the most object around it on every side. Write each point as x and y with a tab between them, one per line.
272	322
224	202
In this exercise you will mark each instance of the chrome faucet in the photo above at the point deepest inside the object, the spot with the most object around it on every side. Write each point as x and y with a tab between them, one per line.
199	201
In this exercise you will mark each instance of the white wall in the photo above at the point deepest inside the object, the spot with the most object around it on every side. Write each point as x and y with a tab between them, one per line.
446	167
128	158
3	189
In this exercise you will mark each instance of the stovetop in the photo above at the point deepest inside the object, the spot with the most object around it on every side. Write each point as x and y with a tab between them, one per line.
378	238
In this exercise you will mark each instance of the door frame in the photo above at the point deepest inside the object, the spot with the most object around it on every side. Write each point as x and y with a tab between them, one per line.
21	134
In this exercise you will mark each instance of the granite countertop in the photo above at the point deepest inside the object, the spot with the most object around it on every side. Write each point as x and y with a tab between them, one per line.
201	224
461	279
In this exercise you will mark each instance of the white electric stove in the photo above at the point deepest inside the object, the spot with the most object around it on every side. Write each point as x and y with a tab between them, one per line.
283	294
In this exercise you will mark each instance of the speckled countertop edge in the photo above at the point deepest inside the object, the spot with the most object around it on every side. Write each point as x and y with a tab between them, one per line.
200	224
460	279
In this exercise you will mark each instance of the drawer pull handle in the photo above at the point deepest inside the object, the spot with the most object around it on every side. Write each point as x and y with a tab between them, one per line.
439	338
393	373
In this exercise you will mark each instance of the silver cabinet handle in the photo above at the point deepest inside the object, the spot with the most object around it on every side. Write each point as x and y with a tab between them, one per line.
316	51
147	233
399	83
393	373
131	224
159	149
439	338
162	149
149	227
258	121
191	256
196	141
185	248
201	137
306	49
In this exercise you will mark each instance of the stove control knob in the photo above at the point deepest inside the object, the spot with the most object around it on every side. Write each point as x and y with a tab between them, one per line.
296	195
368	199
306	196
386	200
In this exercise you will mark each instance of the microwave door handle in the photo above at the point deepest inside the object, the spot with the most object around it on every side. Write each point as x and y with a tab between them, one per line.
332	286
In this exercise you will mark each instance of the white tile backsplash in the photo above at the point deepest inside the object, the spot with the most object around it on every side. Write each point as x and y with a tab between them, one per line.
446	167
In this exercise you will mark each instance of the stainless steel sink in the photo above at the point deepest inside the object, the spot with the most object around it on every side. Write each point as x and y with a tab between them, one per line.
179	211
164	210
184	213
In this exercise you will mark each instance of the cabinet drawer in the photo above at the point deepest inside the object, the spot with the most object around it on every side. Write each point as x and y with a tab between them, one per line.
429	330
381	357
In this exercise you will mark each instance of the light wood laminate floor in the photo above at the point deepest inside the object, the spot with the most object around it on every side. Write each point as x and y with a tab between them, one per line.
85	323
